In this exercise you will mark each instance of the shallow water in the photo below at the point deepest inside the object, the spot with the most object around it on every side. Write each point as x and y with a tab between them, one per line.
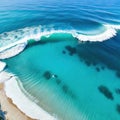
73	91
71	79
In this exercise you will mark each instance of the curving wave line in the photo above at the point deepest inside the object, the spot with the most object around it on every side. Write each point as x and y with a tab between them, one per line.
13	51
12	43
109	33
2	66
27	104
18	46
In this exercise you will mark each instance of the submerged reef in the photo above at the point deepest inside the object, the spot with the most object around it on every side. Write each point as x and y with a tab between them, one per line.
102	67
101	53
47	75
72	50
98	69
64	52
117	91
65	88
118	108
118	74
58	81
87	63
106	92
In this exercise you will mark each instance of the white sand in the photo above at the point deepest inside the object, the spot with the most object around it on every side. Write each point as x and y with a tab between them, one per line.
23	103
13	113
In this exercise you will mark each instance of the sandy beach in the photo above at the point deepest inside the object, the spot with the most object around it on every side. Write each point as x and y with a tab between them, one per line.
13	113
13	101
16	104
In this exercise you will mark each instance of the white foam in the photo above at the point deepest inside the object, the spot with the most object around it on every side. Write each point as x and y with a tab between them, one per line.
10	52
23	35
36	33
4	76
2	65
27	106
109	33
117	27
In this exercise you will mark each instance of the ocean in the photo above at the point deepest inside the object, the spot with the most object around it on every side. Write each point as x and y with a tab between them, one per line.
69	55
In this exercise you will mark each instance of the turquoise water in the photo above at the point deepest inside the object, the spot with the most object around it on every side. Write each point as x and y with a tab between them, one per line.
73	94
71	79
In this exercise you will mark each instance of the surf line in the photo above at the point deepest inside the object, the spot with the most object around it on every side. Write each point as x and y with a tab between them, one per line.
16	47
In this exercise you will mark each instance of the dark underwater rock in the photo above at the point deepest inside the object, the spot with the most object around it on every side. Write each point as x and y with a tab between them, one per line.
63	52
118	108
65	88
117	90
47	75
98	52
102	67
98	69
87	63
58	81
118	74
106	92
55	76
94	63
72	50
72	95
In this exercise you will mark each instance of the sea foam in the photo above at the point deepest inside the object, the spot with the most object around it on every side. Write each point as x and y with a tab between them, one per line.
29	107
16	41
13	51
2	65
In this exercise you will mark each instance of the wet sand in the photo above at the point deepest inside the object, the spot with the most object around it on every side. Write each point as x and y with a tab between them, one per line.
13	113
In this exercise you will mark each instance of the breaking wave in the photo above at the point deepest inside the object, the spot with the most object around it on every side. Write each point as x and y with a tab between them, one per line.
12	43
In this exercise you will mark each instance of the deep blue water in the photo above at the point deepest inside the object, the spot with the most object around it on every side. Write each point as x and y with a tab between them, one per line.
86	85
62	14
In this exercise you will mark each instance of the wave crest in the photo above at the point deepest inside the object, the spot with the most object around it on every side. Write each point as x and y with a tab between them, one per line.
14	42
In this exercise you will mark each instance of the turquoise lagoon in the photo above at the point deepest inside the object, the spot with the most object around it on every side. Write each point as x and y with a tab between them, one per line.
55	73
71	64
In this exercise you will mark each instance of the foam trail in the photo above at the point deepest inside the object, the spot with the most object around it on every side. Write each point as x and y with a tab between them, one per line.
13	51
27	106
117	27
2	65
36	33
109	33
24	35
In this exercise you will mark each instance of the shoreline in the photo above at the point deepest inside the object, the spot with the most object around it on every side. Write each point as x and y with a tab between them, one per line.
13	99
30	108
10	108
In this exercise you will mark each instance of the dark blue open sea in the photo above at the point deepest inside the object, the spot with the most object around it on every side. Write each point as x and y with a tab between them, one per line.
69	55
